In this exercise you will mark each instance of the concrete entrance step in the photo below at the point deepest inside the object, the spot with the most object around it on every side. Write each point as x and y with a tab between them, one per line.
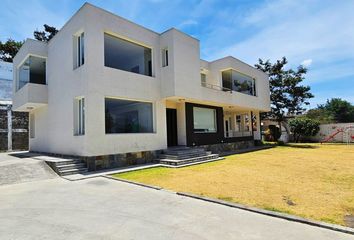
181	162
64	167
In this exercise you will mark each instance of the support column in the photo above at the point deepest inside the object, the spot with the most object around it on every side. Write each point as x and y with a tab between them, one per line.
9	127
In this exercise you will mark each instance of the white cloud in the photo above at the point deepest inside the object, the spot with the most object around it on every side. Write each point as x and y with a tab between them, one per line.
187	23
322	30
306	63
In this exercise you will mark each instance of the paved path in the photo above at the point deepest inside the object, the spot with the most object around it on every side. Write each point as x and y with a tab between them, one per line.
101	208
19	167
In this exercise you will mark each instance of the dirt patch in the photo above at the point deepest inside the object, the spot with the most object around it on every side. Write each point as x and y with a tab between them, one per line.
349	221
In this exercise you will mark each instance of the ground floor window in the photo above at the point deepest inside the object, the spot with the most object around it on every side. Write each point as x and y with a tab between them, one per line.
204	120
79	116
126	116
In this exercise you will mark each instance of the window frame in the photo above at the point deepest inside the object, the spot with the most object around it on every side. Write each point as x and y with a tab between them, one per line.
79	116
165	55
215	120
153	114
17	73
79	49
132	41
254	83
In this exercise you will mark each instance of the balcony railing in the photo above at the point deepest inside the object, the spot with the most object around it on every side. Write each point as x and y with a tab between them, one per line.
216	87
230	134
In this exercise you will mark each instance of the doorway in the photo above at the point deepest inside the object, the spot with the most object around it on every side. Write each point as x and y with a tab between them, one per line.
171	121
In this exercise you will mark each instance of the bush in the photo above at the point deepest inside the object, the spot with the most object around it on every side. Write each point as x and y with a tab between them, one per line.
281	143
301	127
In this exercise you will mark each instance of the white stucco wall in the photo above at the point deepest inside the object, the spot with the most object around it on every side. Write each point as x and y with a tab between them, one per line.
54	122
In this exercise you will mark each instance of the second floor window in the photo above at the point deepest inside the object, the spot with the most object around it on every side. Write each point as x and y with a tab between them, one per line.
33	70
164	57
128	56
79	57
238	82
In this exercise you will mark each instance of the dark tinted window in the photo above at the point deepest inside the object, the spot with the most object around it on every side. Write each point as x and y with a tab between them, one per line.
127	56
124	116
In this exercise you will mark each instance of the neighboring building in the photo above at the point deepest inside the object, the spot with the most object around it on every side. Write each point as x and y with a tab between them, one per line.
14	132
107	86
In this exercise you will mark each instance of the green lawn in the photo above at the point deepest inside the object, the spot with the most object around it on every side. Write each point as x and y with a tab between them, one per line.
309	180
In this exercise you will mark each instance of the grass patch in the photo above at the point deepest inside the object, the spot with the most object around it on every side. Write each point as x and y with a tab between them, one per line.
309	180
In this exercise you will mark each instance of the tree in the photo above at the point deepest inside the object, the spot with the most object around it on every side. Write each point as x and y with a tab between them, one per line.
287	95
48	33
339	110
334	110
301	127
9	49
320	115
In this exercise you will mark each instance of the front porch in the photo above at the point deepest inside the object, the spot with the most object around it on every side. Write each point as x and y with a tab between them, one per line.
200	124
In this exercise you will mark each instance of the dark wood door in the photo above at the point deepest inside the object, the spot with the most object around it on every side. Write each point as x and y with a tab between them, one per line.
171	119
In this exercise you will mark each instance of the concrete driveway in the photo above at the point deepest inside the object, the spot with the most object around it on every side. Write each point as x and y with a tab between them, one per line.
101	208
20	167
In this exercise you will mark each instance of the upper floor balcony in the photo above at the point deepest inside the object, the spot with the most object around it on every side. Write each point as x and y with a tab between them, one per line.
30	81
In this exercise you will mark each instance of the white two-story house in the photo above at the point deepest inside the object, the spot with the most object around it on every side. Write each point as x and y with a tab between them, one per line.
105	87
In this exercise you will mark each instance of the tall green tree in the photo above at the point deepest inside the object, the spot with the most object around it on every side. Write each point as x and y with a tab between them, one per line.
9	49
48	33
287	94
335	110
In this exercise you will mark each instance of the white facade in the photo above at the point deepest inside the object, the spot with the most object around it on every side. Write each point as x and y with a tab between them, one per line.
52	104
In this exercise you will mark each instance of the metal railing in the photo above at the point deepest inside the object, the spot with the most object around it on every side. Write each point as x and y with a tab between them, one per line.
216	87
230	134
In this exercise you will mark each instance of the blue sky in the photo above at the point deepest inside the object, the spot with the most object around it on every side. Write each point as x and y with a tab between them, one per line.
316	33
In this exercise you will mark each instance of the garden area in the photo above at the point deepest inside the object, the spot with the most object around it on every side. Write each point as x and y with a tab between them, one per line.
313	181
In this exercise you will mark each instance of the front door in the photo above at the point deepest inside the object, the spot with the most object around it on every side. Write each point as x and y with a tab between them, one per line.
171	119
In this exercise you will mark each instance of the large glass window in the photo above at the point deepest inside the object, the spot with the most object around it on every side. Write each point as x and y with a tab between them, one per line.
127	56
31	71
124	116
232	80
204	120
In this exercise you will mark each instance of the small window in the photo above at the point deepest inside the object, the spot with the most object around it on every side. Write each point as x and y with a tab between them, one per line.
79	116
204	120
79	42
32	125
203	79
125	116
164	57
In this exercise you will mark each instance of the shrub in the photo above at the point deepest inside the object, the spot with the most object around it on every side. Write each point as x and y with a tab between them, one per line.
301	127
